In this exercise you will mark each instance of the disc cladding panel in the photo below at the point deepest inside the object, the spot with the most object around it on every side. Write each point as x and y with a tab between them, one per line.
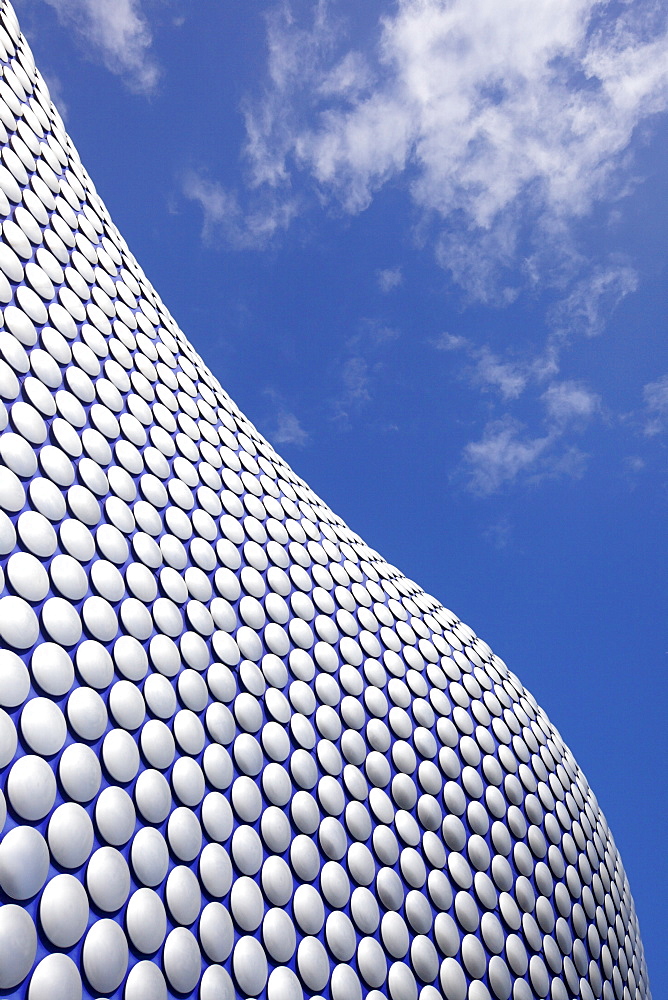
240	753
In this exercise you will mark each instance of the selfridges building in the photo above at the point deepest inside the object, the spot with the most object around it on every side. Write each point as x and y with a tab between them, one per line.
241	755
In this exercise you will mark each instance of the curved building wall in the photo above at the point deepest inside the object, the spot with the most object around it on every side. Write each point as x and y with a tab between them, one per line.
240	753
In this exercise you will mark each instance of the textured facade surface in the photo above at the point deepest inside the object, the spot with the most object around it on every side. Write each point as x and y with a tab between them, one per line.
240	753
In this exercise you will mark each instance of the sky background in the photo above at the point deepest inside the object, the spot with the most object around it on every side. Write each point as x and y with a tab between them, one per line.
422	246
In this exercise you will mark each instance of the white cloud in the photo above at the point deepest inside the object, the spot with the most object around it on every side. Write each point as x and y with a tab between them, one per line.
634	464
299	61
356	379
389	278
356	382
374	332
510	378
499	533
56	90
570	401
362	363
348	78
478	259
501	455
491	113
450	342
119	32
570	463
655	395
219	207
587	308
224	219
506	453
289	430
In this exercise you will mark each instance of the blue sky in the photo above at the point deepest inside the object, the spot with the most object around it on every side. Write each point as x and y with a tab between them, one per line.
422	246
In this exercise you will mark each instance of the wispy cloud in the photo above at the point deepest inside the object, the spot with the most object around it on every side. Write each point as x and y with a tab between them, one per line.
56	90
223	219
655	395
633	466
509	135
362	363
285	427
450	342
355	391
503	452
299	63
507	453
499	533
118	32
389	278
589	305
220	208
375	332
508	375
289	430
566	402
356	378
